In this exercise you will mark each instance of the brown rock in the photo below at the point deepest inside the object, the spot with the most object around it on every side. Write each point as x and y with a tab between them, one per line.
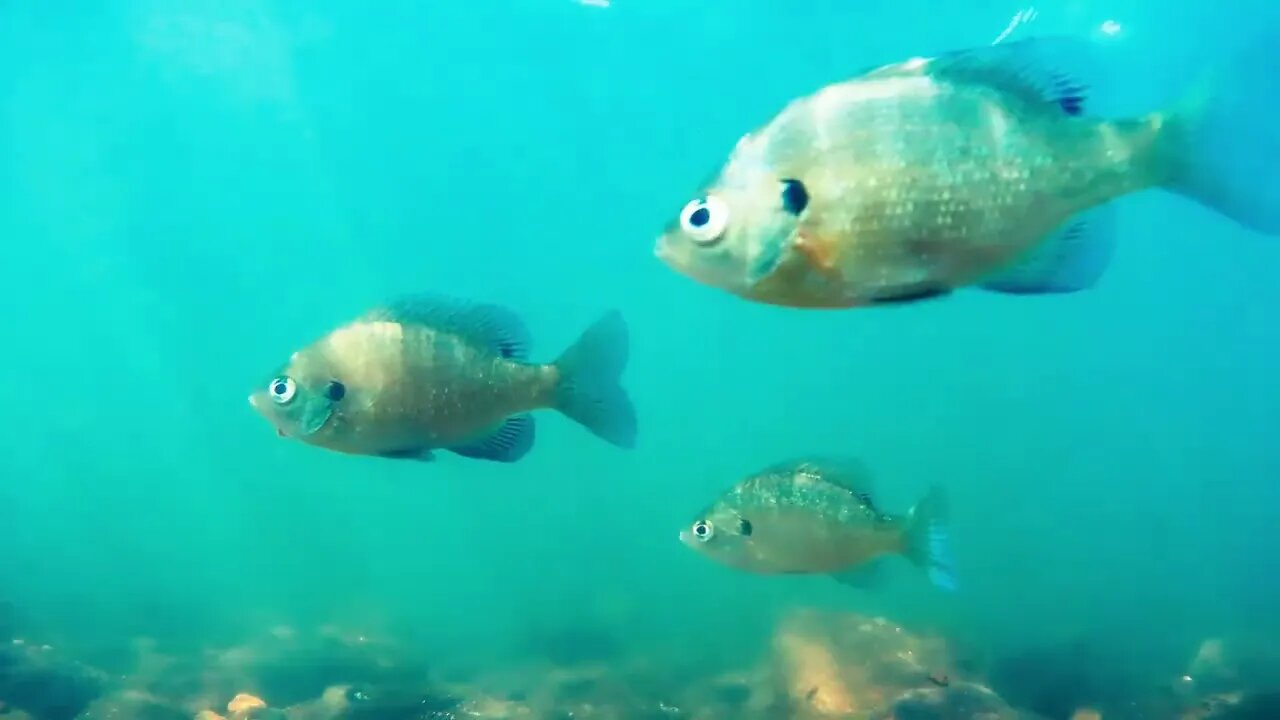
839	665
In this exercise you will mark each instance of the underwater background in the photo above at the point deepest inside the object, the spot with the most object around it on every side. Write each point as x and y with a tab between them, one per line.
191	190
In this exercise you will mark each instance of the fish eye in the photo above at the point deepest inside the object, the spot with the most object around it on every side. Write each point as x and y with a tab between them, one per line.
703	530
705	219
335	390
282	390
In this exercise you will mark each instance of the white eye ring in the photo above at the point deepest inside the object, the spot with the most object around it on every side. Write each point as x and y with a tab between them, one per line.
705	219
282	390
703	530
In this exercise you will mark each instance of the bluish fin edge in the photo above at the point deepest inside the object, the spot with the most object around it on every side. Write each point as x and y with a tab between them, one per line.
942	566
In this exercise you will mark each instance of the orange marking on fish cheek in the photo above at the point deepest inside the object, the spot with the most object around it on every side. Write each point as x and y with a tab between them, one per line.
820	253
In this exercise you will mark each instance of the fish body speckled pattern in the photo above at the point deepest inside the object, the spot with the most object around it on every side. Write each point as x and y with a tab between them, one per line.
818	516
975	168
431	372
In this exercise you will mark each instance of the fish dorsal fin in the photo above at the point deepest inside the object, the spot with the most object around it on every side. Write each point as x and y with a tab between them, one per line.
906	68
1051	70
847	473
488	325
1070	259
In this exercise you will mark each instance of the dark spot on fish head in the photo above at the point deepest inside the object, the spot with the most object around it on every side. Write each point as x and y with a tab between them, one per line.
335	390
795	196
744	527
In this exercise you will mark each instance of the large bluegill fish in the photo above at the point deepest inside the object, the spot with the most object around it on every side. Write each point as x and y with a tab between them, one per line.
975	168
429	373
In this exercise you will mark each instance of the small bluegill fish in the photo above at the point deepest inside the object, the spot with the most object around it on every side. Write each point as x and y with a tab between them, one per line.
975	168
430	372
819	516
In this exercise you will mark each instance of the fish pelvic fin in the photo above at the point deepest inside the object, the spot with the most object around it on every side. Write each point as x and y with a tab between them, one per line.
927	540
1222	142
590	390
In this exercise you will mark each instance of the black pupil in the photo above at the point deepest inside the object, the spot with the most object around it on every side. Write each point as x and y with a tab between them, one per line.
700	217
279	388
335	390
700	529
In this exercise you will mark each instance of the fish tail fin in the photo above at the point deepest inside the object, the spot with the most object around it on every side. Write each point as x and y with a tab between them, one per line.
927	541
590	389
1222	142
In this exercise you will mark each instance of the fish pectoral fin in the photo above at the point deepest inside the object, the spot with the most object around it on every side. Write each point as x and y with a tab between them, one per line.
1070	259
510	442
419	454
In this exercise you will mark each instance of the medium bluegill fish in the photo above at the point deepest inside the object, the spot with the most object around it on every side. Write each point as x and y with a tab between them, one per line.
819	516
974	168
429	372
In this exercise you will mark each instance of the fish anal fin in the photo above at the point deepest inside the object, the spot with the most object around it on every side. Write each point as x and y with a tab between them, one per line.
867	576
1072	258
510	442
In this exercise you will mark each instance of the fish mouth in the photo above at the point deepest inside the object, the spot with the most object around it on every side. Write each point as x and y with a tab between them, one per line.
256	402
662	250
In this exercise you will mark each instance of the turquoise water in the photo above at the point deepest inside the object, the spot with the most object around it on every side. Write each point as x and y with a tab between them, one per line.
189	191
